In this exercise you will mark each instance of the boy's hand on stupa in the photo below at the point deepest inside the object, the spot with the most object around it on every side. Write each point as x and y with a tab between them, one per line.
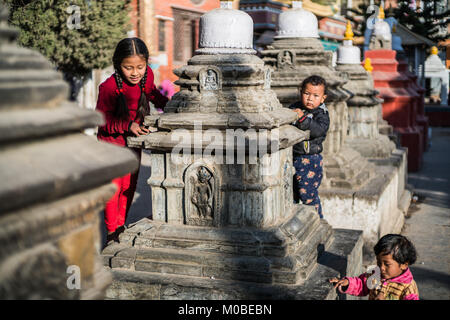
339	283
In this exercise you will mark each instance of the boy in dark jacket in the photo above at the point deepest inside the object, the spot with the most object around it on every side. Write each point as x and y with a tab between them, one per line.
308	163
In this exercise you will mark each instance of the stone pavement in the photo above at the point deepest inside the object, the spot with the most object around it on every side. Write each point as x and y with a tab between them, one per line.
427	225
428	221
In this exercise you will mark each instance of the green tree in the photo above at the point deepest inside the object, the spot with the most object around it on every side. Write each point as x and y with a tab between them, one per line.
77	35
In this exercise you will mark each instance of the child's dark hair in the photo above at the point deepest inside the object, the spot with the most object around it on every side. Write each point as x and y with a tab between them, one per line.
126	48
402	250
315	81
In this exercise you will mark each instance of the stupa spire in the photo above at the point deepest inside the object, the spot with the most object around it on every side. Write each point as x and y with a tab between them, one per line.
348	31
368	65
434	50
381	13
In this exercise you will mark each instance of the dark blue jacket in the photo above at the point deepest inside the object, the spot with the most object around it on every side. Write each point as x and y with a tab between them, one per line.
317	121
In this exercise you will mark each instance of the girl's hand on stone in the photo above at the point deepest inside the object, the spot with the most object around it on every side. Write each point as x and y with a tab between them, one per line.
339	283
138	130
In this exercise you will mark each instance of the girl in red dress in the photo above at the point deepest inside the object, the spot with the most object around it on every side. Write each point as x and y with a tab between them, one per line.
123	99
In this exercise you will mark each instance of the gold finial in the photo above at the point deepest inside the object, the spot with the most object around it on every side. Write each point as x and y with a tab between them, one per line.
434	50
368	65
381	13
348	31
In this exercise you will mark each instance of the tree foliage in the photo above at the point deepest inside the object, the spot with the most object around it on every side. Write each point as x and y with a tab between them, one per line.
76	35
429	22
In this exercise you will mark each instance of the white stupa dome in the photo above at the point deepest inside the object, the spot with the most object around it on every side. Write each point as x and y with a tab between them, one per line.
226	31
297	23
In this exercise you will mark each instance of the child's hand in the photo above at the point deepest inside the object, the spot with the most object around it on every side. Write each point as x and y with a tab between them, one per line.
380	296
138	130
299	112
340	283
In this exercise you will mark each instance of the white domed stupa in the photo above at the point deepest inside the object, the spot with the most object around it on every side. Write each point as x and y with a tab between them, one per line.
297	23
226	31
347	52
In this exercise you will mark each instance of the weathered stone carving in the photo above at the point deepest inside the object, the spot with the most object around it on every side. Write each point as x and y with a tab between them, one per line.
286	59
210	79
201	193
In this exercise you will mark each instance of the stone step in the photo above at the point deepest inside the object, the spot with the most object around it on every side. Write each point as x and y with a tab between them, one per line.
277	241
283	255
344	257
352	182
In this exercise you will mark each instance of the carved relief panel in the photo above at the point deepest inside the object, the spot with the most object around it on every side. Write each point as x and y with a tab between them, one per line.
210	79
286	59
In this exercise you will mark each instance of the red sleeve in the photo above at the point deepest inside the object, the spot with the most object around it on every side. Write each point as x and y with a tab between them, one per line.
106	104
357	286
152	93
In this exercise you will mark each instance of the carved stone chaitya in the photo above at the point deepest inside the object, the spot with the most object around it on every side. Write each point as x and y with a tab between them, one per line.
381	37
365	120
55	181
224	223
343	167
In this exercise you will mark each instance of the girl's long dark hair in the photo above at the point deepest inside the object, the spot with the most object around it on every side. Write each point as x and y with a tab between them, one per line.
126	48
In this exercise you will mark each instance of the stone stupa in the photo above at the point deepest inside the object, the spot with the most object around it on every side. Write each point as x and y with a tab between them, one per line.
403	99
227	230
364	110
436	71
364	107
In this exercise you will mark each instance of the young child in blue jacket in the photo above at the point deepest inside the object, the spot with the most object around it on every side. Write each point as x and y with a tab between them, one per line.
313	116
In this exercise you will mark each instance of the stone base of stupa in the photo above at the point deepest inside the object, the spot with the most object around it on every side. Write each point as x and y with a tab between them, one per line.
293	260
378	207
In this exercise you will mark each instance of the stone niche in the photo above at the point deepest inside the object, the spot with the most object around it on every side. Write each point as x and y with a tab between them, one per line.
55	181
